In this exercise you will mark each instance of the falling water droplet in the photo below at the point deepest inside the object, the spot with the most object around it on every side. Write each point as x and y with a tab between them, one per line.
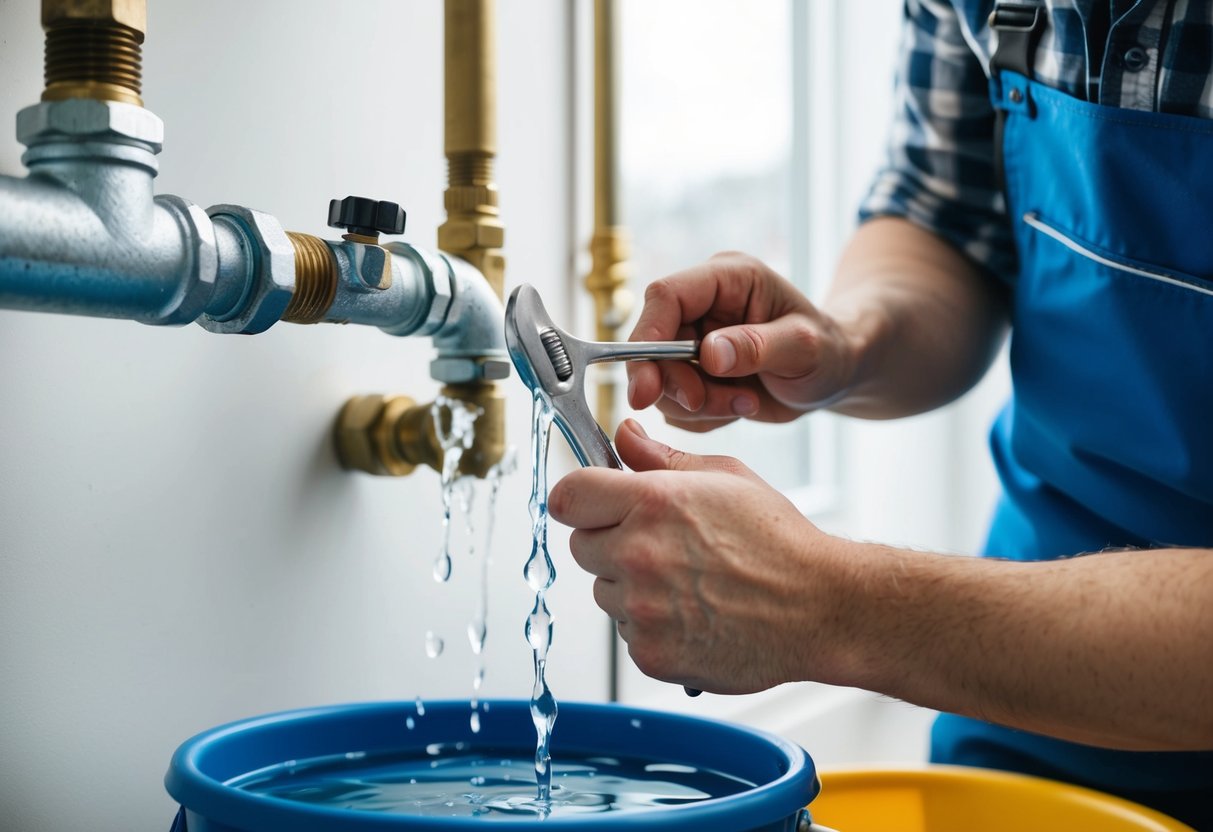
433	645
420	706
410	723
442	568
475	722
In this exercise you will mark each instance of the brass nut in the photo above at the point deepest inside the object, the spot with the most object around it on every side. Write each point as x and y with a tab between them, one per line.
611	245
129	13
355	447
459	234
80	117
274	280
364	435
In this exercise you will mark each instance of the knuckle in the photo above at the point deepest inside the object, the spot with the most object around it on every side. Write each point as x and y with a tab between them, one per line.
728	465
803	337
679	460
659	291
751	344
653	498
642	611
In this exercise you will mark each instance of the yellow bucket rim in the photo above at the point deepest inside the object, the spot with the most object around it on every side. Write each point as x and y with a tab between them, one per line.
1026	786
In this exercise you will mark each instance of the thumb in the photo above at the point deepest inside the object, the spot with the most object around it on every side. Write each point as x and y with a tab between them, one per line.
787	347
642	453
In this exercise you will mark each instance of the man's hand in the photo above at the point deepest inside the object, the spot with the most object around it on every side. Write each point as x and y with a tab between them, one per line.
767	353
908	325
705	568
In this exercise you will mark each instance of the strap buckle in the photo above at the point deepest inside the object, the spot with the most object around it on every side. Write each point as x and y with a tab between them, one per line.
1015	17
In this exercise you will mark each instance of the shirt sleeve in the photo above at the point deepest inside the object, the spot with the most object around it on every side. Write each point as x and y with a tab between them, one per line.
939	168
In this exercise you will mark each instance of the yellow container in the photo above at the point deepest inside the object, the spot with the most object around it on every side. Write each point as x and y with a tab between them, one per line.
961	799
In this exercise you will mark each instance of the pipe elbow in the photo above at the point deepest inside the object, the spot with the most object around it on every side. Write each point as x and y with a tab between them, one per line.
471	340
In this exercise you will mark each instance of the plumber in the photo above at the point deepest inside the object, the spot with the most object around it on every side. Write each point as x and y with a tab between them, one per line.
1050	174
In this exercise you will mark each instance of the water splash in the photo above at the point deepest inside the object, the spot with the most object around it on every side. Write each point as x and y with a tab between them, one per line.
454	438
540	574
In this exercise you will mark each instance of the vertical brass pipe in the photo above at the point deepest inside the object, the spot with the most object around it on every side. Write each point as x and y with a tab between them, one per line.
609	246
473	229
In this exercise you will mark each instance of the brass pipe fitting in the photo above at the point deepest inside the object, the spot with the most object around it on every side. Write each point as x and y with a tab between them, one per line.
315	280
94	49
392	435
473	229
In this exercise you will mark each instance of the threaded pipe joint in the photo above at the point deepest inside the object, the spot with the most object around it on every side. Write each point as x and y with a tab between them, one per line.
315	280
93	59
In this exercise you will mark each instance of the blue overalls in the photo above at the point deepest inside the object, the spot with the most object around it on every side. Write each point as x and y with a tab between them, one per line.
1107	441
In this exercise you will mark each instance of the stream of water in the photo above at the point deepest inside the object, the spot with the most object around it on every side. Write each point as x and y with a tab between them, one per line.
540	574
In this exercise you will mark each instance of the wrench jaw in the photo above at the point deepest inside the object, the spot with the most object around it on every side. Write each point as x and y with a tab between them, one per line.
525	320
586	437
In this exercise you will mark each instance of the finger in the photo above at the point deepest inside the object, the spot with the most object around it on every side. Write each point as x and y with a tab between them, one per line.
592	551
673	301
642	453
788	347
645	384
592	498
648	381
697	424
609	597
721	402
684	385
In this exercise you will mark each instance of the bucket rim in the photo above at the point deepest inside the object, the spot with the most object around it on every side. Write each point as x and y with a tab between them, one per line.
201	793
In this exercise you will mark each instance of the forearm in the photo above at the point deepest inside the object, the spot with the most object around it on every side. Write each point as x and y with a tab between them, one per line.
922	320
1113	649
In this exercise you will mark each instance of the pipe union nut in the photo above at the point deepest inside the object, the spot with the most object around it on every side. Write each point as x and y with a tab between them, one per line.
88	118
272	280
461	370
127	13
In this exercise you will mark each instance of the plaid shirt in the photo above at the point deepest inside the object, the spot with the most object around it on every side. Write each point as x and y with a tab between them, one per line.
1138	54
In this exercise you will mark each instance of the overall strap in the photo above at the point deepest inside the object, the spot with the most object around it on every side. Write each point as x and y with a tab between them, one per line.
1019	26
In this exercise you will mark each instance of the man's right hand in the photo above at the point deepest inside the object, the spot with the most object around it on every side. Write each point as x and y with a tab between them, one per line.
767	353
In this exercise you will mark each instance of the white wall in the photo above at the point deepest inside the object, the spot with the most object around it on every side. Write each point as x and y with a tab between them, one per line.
178	547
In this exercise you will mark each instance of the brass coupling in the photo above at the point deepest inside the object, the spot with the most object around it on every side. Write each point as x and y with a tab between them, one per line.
315	280
392	435
473	229
94	49
607	281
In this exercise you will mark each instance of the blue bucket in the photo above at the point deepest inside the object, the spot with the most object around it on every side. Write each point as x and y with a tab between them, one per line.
785	777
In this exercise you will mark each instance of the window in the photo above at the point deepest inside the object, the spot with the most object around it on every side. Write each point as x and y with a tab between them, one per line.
713	158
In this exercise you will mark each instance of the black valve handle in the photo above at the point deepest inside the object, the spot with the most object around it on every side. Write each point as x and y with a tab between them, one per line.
367	217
